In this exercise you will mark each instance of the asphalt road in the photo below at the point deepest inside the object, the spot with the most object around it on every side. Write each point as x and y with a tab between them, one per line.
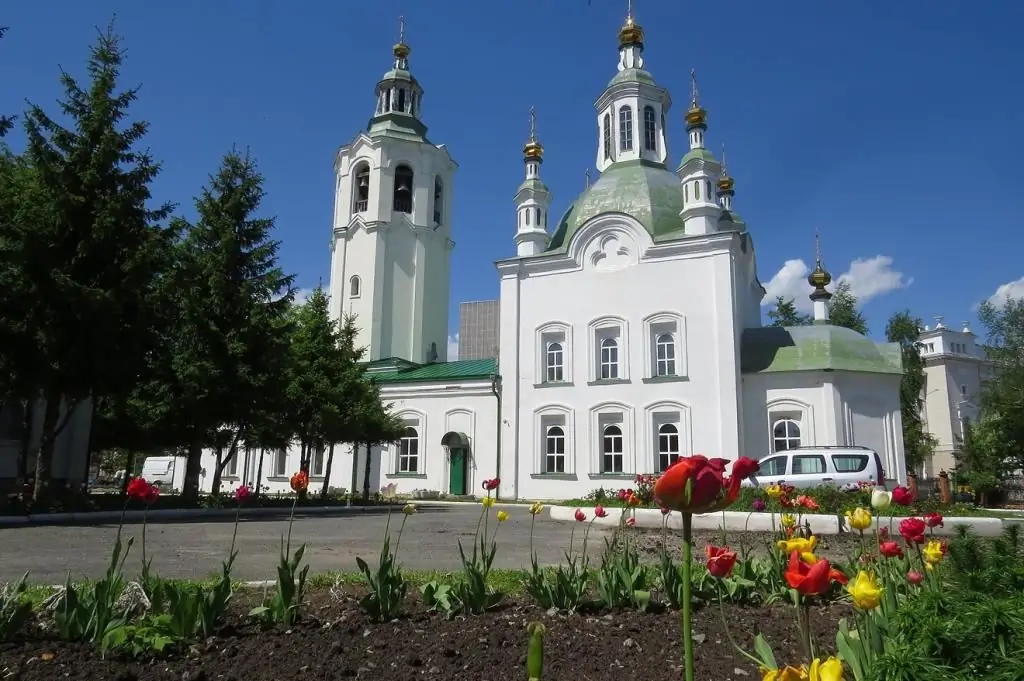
196	549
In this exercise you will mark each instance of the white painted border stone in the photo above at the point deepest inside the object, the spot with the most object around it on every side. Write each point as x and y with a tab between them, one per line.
740	521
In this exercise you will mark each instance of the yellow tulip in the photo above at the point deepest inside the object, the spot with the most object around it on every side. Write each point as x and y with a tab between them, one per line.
880	499
859	518
805	547
784	674
865	591
409	509
932	552
829	670
773	491
536	508
788	520
487	502
502	516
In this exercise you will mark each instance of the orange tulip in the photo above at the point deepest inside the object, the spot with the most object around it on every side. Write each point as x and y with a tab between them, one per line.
696	484
811	579
300	481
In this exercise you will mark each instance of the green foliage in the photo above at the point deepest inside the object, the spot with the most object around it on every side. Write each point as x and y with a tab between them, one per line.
84	239
785	313
284	606
15	609
91	614
842	309
1002	398
563	587
535	651
6	122
621	579
918	444
387	586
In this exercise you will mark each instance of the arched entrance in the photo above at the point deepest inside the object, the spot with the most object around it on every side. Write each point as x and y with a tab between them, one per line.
457	446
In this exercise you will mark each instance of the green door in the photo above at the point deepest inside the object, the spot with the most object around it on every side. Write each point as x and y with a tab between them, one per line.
457	471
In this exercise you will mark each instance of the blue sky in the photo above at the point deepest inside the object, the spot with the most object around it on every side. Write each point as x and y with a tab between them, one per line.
894	128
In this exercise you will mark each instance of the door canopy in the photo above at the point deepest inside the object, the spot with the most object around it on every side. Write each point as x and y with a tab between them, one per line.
455	440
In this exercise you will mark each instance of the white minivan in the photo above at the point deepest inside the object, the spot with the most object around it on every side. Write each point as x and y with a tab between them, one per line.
816	466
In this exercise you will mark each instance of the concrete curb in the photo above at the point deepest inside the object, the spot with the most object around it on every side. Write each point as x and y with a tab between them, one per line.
740	521
108	517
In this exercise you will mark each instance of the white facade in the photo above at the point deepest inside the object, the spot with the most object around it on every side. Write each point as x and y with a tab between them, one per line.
70	452
955	368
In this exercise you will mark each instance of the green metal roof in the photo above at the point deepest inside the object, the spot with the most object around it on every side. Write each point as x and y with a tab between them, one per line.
646	191
701	153
817	347
632	76
399	371
534	184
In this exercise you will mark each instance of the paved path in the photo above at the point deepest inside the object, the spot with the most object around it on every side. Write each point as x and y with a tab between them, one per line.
196	549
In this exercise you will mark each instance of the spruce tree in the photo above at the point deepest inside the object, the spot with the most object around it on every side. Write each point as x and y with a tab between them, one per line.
84	256
6	122
228	354
785	313
842	310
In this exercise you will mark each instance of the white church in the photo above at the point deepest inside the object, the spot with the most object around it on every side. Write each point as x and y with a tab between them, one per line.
630	327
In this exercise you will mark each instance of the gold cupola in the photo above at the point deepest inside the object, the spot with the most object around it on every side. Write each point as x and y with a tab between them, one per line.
401	49
819	277
696	116
533	150
726	184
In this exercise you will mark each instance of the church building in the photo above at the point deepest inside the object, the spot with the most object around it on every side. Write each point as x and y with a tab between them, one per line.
630	327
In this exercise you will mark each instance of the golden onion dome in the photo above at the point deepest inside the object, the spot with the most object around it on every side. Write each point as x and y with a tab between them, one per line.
401	50
819	278
631	33
696	116
726	183
533	150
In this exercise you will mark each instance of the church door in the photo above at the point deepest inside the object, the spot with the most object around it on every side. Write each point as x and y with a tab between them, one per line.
457	471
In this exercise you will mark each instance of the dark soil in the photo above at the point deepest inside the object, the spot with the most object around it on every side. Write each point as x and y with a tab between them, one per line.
336	641
831	546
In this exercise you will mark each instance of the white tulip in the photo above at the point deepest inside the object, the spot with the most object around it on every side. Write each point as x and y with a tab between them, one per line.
880	499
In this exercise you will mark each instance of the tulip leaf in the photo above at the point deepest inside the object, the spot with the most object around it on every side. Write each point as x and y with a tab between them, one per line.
764	652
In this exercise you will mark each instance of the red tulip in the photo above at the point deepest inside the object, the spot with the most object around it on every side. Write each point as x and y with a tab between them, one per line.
580	516
151	495
696	484
890	549
630	521
599	512
242	494
915	577
902	496
913	530
491	485
665	511
721	561
933	519
300	481
138	488
811	580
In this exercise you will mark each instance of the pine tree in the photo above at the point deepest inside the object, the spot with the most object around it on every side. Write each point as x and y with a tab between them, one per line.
82	260
785	314
842	310
6	122
227	356
918	444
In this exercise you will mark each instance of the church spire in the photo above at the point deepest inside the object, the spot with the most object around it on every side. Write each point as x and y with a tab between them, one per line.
631	42
726	185
696	116
533	200
399	95
819	279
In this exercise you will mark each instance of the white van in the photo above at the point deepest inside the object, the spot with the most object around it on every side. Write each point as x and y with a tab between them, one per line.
168	472
816	466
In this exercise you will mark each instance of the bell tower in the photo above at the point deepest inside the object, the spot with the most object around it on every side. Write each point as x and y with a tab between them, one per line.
391	241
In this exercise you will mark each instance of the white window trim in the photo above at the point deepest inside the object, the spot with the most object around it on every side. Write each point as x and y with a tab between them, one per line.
650	338
594	328
629	449
418	420
685	423
788	408
275	473
354	279
568	415
540	350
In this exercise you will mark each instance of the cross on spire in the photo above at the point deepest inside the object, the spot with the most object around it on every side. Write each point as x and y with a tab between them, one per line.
401	29
817	248
586	176
533	124
629	10
725	168
694	95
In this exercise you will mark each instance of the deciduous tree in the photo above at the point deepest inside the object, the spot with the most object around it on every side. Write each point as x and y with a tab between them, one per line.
918	444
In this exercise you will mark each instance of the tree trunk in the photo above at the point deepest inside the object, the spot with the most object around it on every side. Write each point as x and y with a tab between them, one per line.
44	455
259	470
193	467
26	440
304	456
221	462
129	468
355	471
327	470
366	471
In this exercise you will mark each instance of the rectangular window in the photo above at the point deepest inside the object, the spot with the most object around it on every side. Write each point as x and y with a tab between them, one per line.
611	449
231	465
554	361
773	466
808	465
554	450
849	463
626	128
668	446
317	467
281	463
409	451
665	355
609	358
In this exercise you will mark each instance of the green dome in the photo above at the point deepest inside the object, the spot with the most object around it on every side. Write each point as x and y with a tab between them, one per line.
816	347
632	76
645	191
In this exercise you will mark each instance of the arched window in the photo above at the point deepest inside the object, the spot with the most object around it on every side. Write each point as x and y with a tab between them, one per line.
554	450
626	128
611	450
686	193
401	99
668	446
438	199
387	100
696	190
528	213
354	287
606	127
785	435
665	355
553	361
650	131
403	189
609	358
361	194
409	451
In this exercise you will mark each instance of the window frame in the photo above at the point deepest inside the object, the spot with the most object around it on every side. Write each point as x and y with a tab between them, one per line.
408	450
361	205
598	331
665	454
545	334
606	134
818	457
609	360
554	362
626	128
787	438
551	453
401	170
280	463
655	326
609	442
438	200
546	417
650	129
355	286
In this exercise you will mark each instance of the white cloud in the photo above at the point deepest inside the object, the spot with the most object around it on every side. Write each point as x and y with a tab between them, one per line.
1014	289
453	348
302	294
868	278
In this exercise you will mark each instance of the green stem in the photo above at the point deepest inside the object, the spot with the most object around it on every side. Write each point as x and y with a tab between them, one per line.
291	519
398	541
145	517
728	634
234	533
687	605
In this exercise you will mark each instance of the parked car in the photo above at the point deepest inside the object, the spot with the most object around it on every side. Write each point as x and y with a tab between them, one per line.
166	472
815	466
